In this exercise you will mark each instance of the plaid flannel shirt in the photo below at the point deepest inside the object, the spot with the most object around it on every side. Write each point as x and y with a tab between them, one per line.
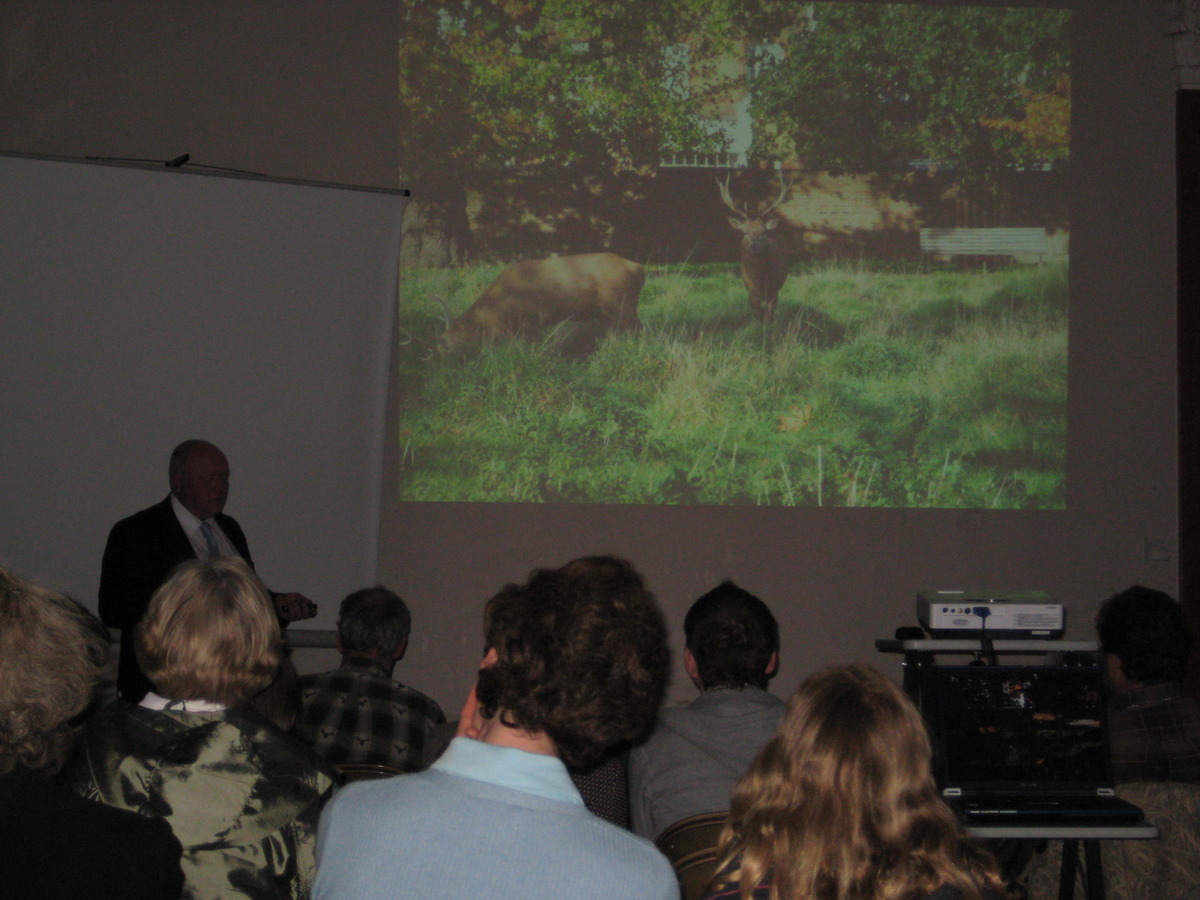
357	714
1155	734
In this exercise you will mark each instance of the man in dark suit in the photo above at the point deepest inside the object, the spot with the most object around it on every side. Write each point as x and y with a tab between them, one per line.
143	549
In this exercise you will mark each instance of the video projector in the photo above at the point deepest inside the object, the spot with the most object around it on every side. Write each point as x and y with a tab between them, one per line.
1020	614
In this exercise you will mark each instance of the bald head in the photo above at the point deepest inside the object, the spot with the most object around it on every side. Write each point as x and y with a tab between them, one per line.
199	477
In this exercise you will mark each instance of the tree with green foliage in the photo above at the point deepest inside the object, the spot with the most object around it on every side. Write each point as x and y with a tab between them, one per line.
864	87
1045	126
501	96
584	92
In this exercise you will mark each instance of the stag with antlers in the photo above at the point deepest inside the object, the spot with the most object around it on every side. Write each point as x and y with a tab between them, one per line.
764	249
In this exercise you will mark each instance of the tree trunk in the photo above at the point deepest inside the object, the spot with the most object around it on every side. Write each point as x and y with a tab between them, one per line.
435	232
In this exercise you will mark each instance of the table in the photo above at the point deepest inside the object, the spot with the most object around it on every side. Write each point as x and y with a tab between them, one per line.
919	652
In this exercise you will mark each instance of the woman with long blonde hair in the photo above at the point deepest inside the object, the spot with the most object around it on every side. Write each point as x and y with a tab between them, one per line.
841	805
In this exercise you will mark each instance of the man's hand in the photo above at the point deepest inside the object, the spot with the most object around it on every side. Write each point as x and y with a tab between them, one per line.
293	607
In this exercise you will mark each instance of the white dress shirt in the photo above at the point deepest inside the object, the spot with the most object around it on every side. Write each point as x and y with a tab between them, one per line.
191	527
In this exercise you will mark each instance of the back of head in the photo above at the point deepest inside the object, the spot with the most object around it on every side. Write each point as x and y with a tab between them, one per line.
52	652
373	619
210	633
581	656
1145	629
732	636
841	804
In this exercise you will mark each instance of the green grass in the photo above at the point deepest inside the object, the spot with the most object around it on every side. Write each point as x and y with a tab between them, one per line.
876	386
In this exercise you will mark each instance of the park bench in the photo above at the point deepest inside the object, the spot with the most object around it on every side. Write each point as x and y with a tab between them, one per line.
1022	244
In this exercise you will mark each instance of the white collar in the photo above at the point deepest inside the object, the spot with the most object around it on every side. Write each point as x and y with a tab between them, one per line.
154	701
187	520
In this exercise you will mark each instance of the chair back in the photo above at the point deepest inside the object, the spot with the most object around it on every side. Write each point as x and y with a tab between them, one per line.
365	771
691	846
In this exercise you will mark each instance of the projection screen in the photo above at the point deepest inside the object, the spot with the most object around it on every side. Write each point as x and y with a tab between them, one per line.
798	254
144	306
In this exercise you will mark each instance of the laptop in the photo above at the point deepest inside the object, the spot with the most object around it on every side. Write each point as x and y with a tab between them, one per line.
1023	745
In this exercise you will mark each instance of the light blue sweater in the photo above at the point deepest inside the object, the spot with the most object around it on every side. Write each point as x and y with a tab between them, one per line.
484	821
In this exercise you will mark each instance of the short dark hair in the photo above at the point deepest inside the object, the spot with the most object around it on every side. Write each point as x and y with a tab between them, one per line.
373	618
1145	629
581	655
731	635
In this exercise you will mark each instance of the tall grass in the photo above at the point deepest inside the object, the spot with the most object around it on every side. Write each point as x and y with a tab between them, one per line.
875	386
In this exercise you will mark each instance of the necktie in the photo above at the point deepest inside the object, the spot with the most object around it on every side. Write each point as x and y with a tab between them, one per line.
210	540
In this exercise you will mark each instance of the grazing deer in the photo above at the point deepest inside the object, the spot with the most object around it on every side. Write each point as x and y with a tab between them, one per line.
764	250
597	290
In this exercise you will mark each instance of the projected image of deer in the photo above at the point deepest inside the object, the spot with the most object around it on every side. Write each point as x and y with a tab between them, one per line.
767	253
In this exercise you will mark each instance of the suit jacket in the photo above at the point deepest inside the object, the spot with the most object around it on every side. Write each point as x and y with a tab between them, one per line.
141	552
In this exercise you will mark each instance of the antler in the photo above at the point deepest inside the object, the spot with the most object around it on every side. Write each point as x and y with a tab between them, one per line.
441	302
784	187
728	200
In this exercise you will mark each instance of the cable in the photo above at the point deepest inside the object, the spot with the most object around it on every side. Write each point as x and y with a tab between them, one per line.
985	640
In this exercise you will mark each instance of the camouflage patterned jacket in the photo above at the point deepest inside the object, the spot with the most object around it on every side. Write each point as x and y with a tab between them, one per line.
242	797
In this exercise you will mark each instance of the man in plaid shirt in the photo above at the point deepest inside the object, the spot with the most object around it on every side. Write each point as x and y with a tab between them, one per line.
357	713
1155	729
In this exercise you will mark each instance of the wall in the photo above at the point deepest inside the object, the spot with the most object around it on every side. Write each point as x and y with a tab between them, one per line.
304	90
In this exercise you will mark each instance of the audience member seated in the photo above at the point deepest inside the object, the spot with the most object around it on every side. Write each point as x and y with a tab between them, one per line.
1155	729
357	713
242	796
698	752
1155	744
574	669
841	805
53	843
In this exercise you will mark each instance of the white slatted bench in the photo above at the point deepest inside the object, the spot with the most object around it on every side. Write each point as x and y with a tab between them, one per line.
1022	244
